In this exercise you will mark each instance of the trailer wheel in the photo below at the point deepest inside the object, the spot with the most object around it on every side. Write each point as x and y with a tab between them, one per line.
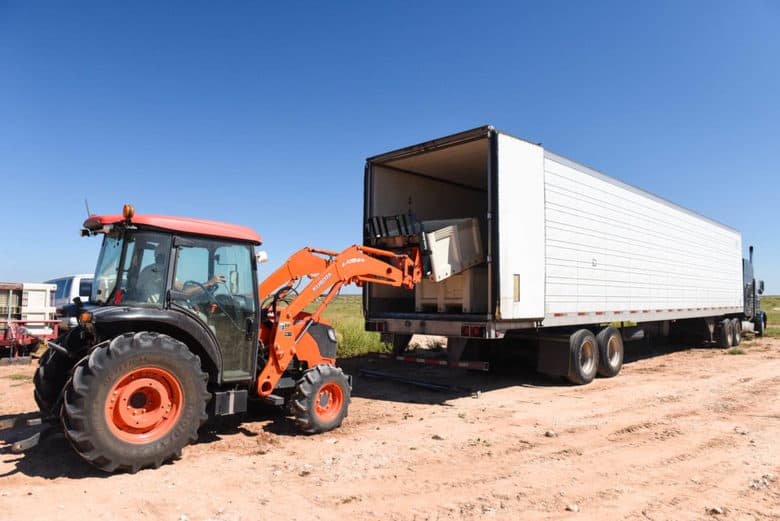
50	377
736	327
135	402
726	337
610	351
584	353
321	399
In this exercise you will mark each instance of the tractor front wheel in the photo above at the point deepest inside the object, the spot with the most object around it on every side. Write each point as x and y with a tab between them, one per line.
321	399
135	402
50	377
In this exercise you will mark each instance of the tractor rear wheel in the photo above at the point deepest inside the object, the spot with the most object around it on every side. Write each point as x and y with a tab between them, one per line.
135	402
50	377
321	399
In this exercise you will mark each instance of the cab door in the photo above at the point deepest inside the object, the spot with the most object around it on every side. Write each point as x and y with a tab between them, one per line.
216	282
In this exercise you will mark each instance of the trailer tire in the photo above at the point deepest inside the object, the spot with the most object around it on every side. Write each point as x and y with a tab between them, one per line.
164	388
610	344
50	378
321	399
736	326
726	333
584	357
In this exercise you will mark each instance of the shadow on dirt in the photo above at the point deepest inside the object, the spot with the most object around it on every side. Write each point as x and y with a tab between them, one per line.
373	378
52	458
509	367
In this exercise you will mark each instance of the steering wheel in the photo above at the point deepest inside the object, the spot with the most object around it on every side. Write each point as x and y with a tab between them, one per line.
204	290
222	301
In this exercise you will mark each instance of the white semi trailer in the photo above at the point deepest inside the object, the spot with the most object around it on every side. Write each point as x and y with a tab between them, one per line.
568	250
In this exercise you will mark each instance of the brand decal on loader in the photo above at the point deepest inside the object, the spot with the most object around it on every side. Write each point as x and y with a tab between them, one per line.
317	286
353	260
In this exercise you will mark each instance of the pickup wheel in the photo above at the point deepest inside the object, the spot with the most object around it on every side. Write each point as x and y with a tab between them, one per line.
321	399
610	351
135	402
584	357
726	336
736	327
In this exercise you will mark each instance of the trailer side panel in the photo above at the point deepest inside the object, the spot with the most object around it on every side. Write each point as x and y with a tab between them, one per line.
617	253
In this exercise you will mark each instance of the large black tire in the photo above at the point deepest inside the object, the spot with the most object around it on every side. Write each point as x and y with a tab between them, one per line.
726	333
321	399
760	324
584	357
610	343
736	326
50	378
135	402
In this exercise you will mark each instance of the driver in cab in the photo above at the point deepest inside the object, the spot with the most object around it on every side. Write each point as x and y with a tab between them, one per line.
150	281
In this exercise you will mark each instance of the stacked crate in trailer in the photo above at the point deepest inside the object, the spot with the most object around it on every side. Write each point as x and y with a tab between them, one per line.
27	316
567	250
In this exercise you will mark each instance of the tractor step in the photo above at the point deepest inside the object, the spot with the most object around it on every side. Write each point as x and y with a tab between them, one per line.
230	402
274	399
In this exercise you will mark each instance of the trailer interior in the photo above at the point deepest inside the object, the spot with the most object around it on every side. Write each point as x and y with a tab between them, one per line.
443	179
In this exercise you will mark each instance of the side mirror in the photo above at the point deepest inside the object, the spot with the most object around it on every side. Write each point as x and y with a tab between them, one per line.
261	257
760	287
233	279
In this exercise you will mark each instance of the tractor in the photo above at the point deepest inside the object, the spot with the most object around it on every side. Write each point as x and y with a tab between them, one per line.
178	329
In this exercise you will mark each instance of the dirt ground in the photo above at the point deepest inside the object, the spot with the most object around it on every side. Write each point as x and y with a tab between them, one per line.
680	434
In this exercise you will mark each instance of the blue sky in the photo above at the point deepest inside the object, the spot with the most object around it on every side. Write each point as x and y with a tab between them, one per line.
263	114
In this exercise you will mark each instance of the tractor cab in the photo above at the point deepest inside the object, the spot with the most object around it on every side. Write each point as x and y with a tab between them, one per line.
193	279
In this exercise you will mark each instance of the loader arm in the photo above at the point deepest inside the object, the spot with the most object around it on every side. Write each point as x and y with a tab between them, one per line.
329	271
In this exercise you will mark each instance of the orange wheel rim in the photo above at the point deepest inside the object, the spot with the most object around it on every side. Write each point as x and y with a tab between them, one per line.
144	405
329	401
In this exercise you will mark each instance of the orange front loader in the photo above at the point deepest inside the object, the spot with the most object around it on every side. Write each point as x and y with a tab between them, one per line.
283	329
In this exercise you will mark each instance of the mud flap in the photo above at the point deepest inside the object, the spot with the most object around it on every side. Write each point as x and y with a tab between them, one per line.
553	356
